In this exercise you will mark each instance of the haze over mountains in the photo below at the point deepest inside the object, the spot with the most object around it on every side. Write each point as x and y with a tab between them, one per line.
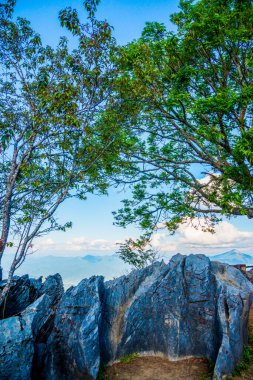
234	257
74	269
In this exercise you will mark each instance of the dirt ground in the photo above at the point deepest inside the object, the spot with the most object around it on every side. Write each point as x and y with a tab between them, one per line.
156	368
248	375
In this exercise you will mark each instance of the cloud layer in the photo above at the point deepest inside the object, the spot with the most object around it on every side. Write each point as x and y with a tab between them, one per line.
186	240
226	236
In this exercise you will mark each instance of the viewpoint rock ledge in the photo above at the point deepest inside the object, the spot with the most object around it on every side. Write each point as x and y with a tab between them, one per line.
189	307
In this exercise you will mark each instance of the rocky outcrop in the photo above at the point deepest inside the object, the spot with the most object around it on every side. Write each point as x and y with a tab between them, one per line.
234	298
118	296
23	292
73	350
249	275
19	333
189	307
173	312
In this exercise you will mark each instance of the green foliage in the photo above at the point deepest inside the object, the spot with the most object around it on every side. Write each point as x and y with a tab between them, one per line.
186	100
138	253
54	141
247	360
102	373
210	369
129	358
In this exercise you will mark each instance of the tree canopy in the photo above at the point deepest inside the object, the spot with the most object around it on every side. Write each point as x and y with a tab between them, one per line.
188	99
52	146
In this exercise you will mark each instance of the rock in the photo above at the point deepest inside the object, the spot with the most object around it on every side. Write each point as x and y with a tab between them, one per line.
44	321
249	275
16	349
73	349
22	293
234	294
117	297
189	307
19	334
173	312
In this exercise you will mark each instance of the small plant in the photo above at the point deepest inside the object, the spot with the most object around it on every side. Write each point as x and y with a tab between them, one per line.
250	339
102	372
129	358
246	361
210	367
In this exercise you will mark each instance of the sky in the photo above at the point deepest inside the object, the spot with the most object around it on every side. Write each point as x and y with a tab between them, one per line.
93	230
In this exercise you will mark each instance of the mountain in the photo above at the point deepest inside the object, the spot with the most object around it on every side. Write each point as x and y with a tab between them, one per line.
72	269
233	257
93	259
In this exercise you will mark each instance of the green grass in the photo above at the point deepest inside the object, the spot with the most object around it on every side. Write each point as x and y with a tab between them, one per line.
128	358
101	373
247	360
209	375
124	360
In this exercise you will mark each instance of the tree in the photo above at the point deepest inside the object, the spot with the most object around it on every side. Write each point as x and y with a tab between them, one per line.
53	146
188	98
139	253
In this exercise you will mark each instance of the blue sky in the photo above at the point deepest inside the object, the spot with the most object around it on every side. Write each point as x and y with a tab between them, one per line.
127	16
93	230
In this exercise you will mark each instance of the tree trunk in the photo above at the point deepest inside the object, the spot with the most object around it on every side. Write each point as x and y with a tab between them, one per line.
7	287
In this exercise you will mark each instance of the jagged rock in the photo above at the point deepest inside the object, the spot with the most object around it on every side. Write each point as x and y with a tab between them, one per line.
249	275
73	349
19	333
118	295
189	307
16	349
22	293
235	295
172	312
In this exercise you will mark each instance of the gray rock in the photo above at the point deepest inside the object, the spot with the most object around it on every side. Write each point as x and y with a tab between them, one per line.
22	293
73	349
234	293
19	334
189	307
173	311
16	349
118	295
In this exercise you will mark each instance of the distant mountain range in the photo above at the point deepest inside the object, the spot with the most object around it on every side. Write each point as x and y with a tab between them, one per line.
233	257
74	269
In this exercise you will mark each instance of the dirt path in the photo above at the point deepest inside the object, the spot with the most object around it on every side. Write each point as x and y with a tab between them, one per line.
156	368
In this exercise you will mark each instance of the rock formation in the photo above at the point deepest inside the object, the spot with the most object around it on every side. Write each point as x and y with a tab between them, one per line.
21	333
189	307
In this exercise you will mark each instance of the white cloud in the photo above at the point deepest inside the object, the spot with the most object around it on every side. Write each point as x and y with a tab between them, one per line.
226	235
186	240
76	245
162	241
82	243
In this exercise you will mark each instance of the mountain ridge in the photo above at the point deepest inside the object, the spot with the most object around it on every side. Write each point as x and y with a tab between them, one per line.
74	269
233	257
